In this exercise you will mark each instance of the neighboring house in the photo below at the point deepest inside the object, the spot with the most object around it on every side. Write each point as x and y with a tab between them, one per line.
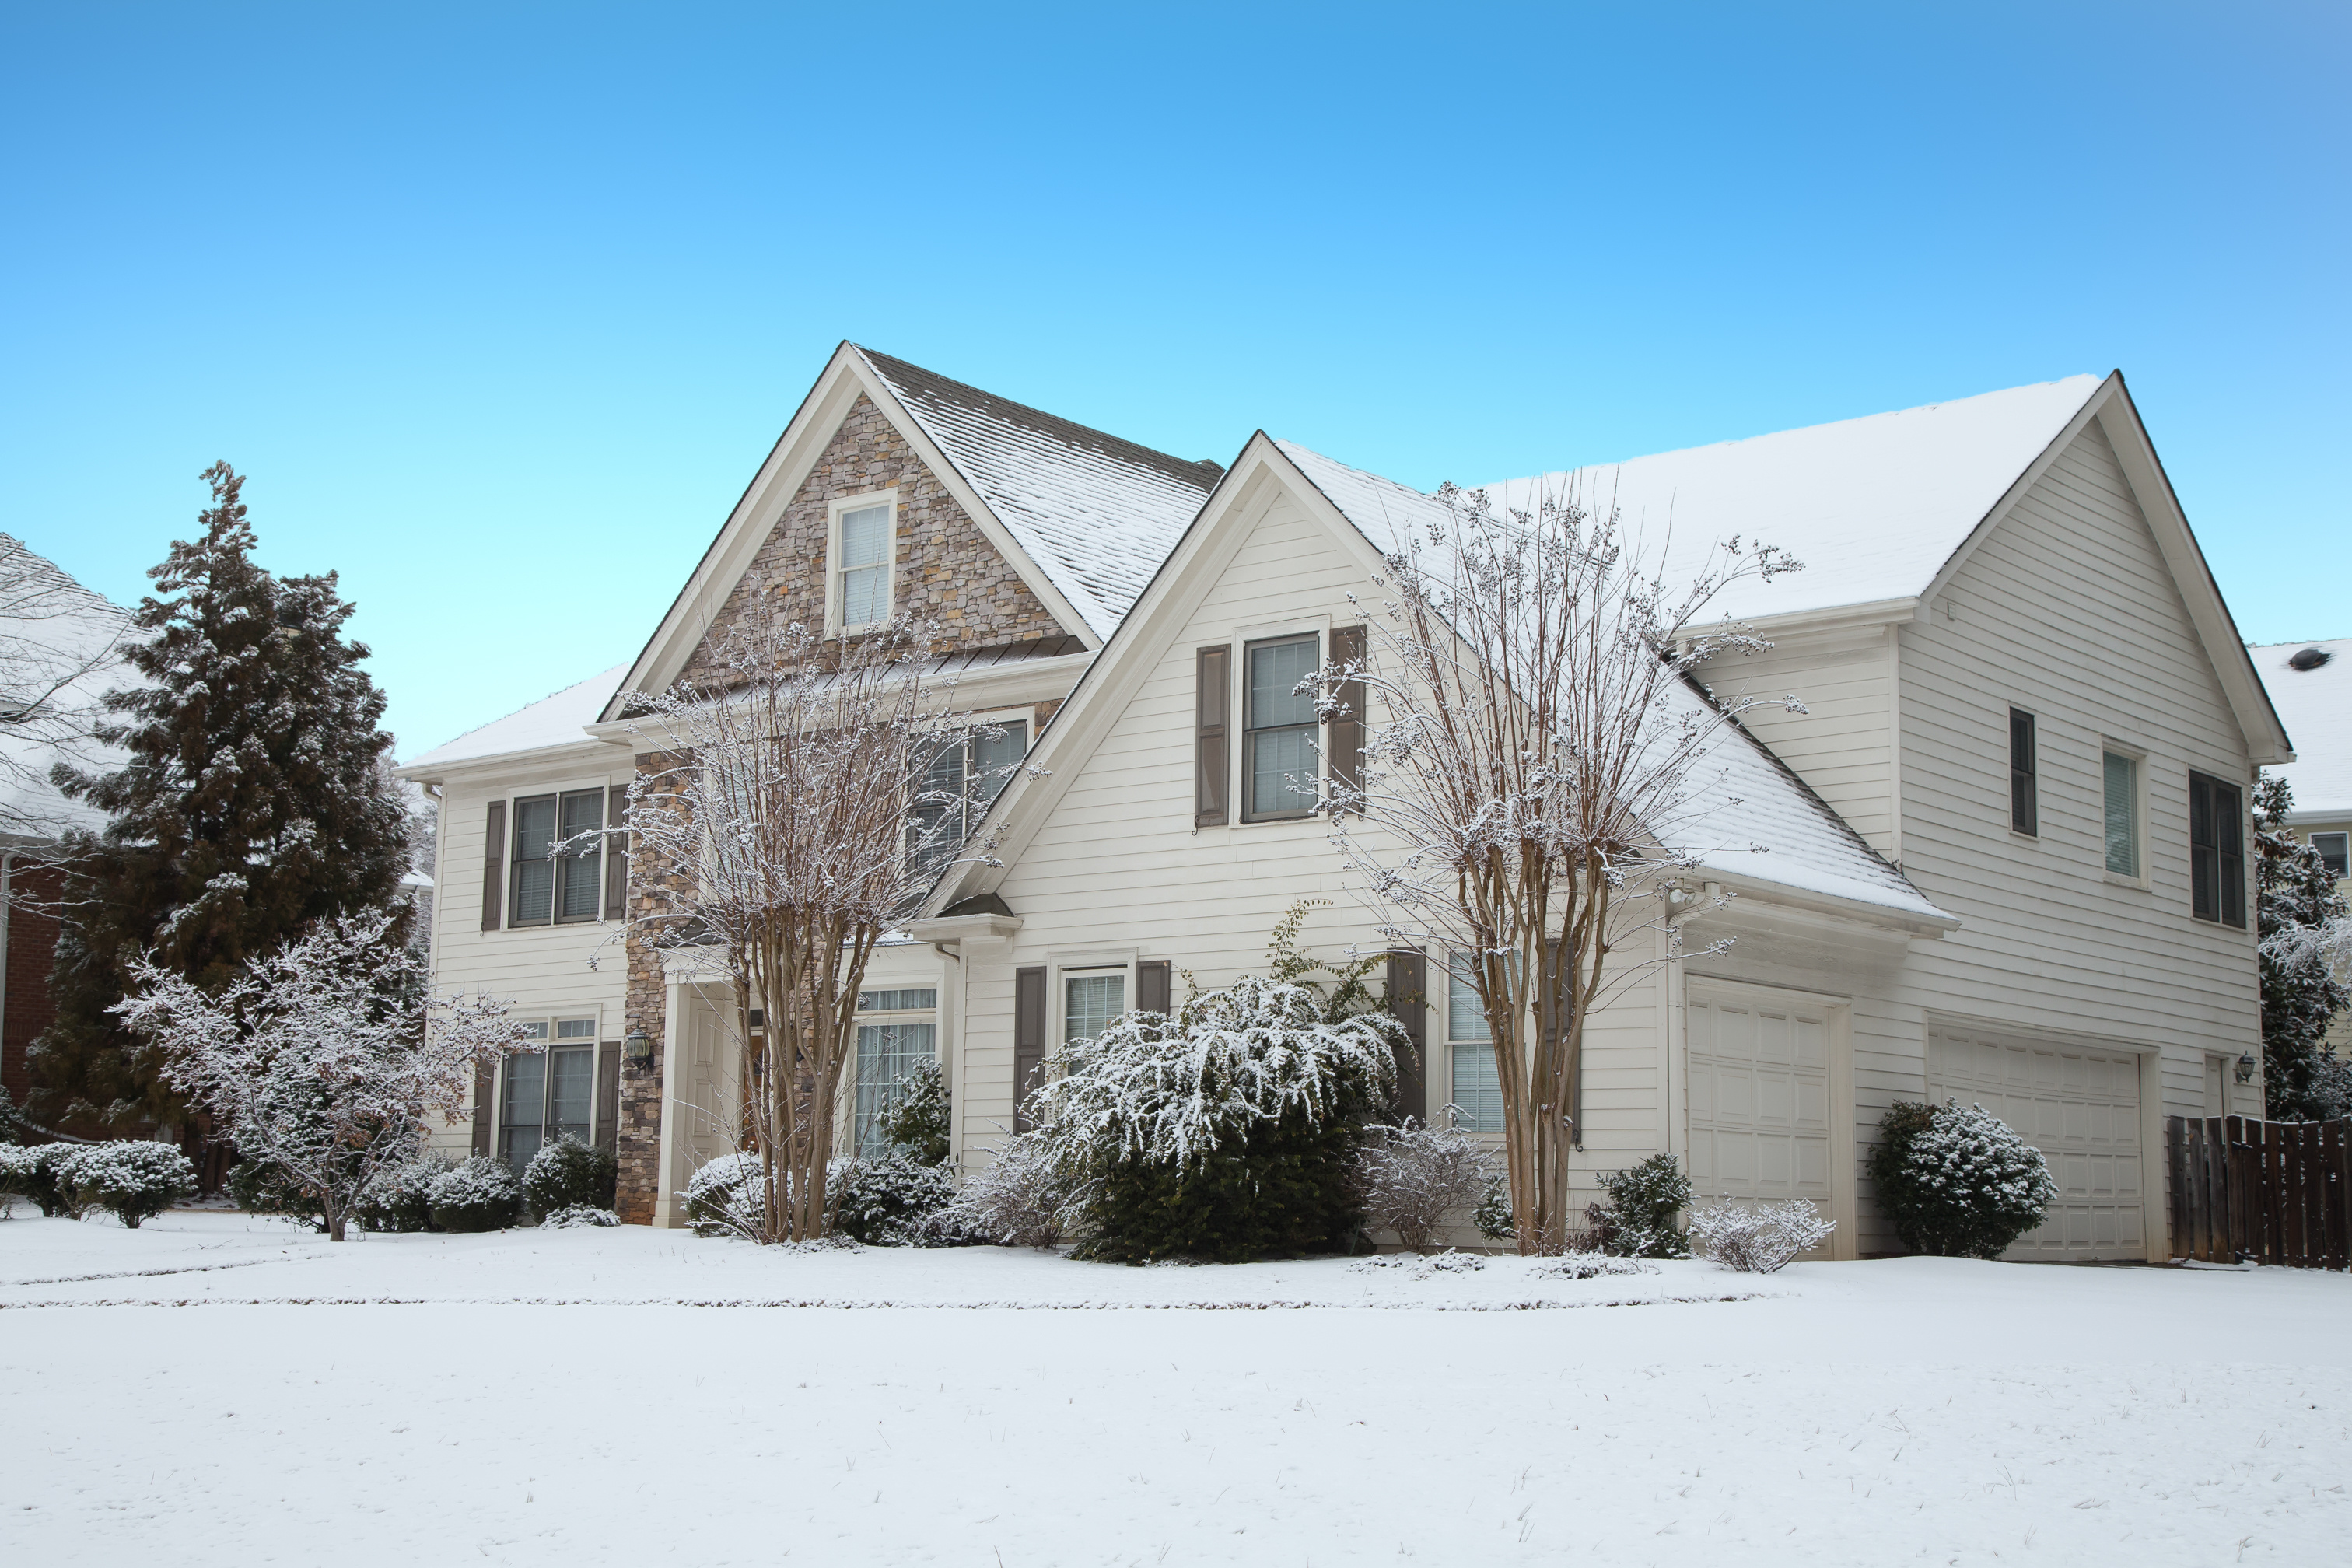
1982	883
2311	686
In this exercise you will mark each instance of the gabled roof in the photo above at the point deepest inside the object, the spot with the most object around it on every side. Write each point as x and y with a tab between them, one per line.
2315	702
549	723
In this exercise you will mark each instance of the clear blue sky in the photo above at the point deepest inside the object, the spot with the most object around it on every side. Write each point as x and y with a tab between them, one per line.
499	306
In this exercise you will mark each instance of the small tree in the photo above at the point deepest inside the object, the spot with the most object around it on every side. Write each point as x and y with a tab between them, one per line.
805	803
1534	773
60	643
325	1061
2306	936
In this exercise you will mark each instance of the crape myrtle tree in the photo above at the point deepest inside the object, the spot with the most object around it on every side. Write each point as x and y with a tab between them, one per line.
326	1059
250	804
2306	940
1536	763
805	809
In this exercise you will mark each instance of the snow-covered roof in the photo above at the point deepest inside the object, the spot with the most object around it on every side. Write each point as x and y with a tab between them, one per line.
554	721
1096	514
1874	506
2315	706
1744	798
61	653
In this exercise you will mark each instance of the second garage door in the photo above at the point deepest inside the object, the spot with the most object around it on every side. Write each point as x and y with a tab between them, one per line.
1759	1099
2080	1107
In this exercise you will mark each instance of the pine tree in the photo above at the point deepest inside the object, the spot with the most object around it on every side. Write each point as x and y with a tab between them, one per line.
2296	902
252	804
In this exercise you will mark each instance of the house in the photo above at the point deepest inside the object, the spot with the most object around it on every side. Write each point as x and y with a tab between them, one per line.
2310	684
1983	879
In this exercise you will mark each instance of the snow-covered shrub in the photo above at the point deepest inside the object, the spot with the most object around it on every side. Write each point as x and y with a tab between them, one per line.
1419	1266
895	1201
1227	1132
567	1174
269	1192
1956	1181
479	1194
17	1165
1493	1216
135	1181
1412	1179
580	1216
728	1195
1758	1238
919	1116
1588	1265
1021	1198
400	1200
1644	1201
43	1174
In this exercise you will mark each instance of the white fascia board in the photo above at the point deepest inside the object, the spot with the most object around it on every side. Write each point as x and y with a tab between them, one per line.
1785	900
1833	618
594	750
964	928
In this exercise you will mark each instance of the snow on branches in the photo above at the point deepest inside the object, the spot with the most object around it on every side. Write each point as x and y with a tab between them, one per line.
326	1059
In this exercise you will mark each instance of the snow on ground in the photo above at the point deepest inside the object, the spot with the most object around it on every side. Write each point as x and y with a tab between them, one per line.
1919	1410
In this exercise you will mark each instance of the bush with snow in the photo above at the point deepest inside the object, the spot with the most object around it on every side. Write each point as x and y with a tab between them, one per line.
1590	1266
1956	1181
1412	1179
728	1195
19	1167
1493	1217
268	1190
479	1194
1758	1238
1643	1201
1021	1198
134	1181
400	1200
568	1174
894	1201
918	1118
580	1216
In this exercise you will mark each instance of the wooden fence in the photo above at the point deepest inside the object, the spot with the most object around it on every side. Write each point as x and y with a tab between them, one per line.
2273	1192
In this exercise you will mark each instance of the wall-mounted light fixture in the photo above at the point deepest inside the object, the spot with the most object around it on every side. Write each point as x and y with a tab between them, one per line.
639	1049
2245	1070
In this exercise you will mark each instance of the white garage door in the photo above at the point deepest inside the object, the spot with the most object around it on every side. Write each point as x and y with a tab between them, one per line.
1760	1099
2080	1107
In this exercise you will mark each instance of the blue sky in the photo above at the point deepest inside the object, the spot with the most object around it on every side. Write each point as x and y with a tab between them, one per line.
500	305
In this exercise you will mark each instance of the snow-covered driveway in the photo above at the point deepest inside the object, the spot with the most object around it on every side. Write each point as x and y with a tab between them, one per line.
586	1396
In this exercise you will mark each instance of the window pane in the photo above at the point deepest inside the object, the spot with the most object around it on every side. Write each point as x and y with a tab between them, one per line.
525	1109
920	998
1477	1094
865	536
572	1029
1282	770
1090	1003
1273	671
534	873
887	1053
571	1074
994	758
1465	1018
865	595
2122	815
2335	850
580	874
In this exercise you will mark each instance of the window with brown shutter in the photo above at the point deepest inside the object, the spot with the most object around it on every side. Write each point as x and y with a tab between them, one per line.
608	1095
1344	736
1211	770
2217	854
1408	987
1028	1039
484	1090
616	854
1153	986
494	846
2024	787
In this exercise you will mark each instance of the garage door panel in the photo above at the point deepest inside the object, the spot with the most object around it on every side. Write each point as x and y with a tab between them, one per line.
2080	1107
1760	1127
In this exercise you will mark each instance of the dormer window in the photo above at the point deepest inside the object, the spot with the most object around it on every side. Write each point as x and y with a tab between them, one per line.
863	544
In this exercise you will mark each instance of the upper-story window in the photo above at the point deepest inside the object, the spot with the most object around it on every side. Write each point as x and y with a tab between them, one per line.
2121	814
2217	850
975	770
863	541
552	884
1278	751
2024	794
2335	850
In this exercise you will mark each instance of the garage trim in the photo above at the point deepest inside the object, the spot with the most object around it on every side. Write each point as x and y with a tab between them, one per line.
1844	1173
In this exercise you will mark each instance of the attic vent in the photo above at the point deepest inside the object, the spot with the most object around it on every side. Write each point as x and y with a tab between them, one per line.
2309	658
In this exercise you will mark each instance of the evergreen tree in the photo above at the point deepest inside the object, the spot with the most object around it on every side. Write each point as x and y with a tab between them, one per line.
253	803
2297	906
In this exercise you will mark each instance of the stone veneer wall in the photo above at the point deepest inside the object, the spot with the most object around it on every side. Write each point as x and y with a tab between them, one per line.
637	1142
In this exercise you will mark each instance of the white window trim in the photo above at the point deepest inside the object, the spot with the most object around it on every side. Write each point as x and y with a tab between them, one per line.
507	927
833	624
845	1131
1237	727
2316	834
1442	1003
2138	755
1063	967
594	1045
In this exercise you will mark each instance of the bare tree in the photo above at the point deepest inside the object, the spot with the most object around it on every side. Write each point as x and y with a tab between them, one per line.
60	646
814	789
1536	765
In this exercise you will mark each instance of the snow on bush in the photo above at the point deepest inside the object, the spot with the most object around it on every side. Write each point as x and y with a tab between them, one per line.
728	1195
1415	1266
895	1201
1021	1198
479	1194
568	1174
580	1216
19	1168
135	1181
1590	1266
1956	1181
400	1200
1412	1179
1758	1238
920	1117
1639	1219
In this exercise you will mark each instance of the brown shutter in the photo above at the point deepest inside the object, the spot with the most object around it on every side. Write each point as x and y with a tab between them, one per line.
1028	1039
1213	674
1153	984
494	856
485	1091
1409	1001
616	854
608	1095
1345	737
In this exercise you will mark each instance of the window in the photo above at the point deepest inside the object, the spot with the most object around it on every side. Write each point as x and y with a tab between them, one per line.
863	577
549	1093
2217	850
976	770
1278	751
2335	848
2122	815
898	1031
552	884
1477	1095
2024	801
1089	1002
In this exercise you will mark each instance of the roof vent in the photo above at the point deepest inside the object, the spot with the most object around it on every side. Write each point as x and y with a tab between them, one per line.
2309	658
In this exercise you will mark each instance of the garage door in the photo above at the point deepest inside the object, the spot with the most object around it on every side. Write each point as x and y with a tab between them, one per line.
1760	1099
2080	1107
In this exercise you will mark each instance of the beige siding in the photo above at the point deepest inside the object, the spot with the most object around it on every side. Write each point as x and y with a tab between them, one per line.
1844	743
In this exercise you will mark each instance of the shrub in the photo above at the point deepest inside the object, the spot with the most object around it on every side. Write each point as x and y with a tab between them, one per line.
40	1173
17	1165
1644	1201
568	1174
1021	1198
728	1194
919	1116
1758	1238
895	1201
1956	1181
134	1181
479	1194
271	1192
1408	1179
400	1200
1493	1216
580	1216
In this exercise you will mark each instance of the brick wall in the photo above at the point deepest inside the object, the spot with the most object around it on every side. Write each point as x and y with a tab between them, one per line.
32	952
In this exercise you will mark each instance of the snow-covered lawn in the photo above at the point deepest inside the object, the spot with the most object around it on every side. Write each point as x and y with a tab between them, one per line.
212	1389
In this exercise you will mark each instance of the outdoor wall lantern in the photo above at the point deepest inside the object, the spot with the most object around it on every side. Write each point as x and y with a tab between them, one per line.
2245	1067
640	1049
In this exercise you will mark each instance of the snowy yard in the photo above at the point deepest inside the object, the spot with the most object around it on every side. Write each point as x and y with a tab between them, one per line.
223	1390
